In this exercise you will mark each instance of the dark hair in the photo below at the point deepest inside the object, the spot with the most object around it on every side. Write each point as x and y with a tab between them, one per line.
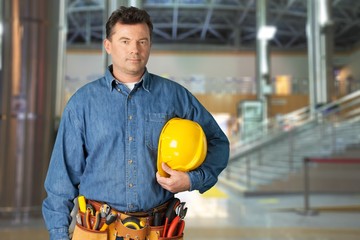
128	15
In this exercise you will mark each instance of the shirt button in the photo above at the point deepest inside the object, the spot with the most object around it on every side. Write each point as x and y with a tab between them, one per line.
130	161
131	185
130	139
130	117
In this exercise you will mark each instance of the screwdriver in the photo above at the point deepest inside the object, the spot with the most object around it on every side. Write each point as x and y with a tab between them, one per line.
82	203
109	220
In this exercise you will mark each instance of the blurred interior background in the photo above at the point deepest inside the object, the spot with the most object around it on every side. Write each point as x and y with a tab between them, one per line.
281	77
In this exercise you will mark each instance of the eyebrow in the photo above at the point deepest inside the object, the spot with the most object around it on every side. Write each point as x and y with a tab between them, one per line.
141	39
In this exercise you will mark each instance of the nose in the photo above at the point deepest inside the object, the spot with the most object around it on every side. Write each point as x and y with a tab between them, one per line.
134	47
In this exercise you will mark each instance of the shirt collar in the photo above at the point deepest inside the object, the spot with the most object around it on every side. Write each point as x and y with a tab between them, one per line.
111	81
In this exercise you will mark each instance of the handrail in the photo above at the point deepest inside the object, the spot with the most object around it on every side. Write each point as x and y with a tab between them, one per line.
340	101
299	118
329	130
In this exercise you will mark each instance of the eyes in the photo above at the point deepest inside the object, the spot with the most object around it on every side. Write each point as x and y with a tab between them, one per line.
142	42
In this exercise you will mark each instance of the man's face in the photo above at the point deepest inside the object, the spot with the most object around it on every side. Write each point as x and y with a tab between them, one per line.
129	47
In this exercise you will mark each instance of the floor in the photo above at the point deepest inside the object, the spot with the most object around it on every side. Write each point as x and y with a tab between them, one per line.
222	214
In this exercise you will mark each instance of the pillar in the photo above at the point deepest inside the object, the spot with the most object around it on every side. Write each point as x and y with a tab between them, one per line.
320	53
32	50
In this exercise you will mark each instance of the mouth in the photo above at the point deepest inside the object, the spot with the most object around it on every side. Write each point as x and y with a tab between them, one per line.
134	60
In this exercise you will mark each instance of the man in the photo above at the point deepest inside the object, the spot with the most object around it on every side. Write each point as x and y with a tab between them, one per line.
106	146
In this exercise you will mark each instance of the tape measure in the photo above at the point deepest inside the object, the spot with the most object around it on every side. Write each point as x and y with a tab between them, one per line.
133	223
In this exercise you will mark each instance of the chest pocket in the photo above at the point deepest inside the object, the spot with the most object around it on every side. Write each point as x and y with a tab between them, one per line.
154	125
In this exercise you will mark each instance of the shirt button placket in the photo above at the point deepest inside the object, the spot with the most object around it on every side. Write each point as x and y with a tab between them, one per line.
130	162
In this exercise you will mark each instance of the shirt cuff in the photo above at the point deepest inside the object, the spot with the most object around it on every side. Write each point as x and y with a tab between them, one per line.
196	182
59	234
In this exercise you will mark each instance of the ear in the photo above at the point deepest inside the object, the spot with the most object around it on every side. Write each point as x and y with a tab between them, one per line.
107	45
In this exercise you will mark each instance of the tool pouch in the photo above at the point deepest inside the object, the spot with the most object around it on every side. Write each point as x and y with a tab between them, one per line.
156	232
181	237
82	233
118	229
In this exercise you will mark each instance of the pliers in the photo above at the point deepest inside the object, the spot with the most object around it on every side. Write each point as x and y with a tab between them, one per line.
87	218
97	221
104	210
170	214
178	224
90	211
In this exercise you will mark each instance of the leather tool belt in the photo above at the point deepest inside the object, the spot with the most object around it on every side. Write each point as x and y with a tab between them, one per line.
100	222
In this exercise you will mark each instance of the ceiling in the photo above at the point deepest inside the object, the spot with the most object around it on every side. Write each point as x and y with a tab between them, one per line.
218	24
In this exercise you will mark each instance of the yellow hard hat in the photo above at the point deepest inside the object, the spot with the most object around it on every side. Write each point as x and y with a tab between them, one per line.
182	145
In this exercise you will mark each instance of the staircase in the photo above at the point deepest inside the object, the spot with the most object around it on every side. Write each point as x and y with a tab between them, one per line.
277	156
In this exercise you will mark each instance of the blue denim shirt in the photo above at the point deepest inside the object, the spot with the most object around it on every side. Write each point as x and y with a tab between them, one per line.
106	147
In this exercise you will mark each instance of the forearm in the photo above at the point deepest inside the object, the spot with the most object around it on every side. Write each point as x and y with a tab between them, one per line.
57	222
204	177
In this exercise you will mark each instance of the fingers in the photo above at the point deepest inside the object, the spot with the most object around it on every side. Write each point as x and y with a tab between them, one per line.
167	169
177	182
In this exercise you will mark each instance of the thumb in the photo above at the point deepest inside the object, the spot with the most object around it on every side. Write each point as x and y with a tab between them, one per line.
167	169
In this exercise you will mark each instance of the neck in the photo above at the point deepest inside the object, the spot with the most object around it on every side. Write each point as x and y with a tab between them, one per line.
127	77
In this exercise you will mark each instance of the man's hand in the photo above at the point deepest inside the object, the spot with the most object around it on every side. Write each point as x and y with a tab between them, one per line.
177	182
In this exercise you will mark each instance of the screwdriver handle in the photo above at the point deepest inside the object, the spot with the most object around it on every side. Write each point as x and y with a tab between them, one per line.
109	220
82	203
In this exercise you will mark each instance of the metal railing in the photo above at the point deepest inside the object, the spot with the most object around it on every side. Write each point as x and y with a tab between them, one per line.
307	210
280	147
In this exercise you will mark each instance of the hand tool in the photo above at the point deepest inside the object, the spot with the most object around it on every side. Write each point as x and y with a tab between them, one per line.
90	208
109	220
170	213
177	225
97	221
82	203
133	223
78	219
104	210
87	218
181	227
181	210
157	219
90	211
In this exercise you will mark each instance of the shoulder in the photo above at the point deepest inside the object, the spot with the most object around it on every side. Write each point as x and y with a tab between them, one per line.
167	83
87	92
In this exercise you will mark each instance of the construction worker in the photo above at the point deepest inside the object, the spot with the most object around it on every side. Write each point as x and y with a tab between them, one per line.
106	145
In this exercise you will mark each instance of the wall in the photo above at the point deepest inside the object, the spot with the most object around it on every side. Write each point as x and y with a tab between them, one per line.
83	66
348	74
218	79
226	64
354	63
209	64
